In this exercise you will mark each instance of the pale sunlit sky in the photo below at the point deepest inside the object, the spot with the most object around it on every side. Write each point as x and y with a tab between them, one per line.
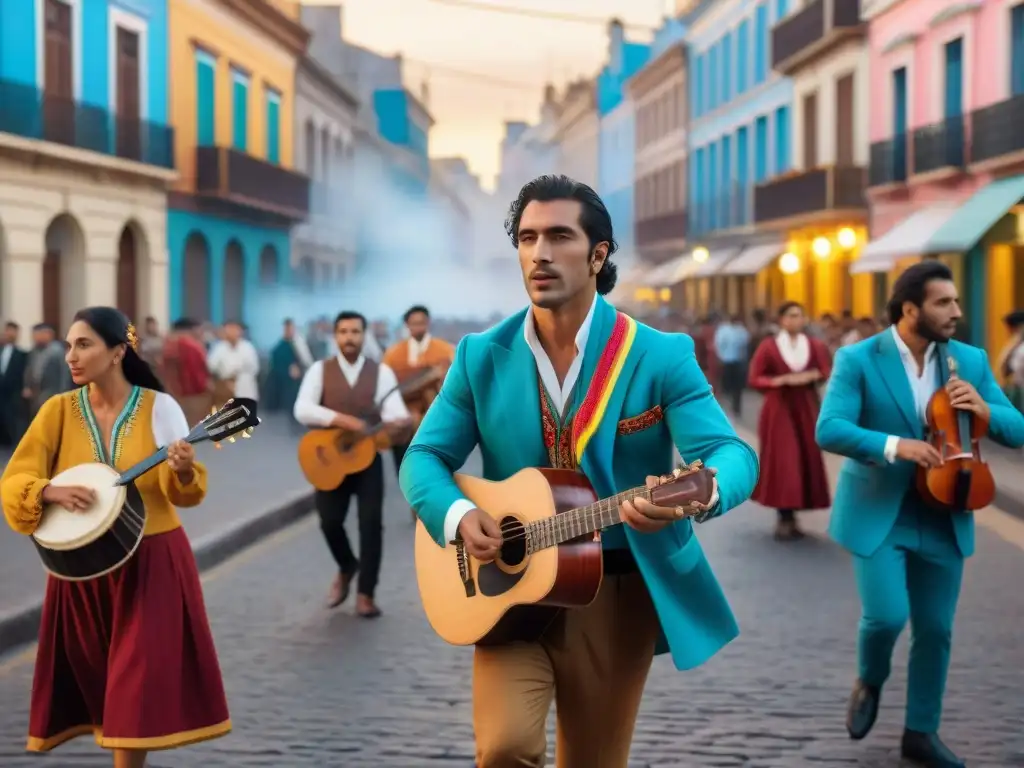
500	61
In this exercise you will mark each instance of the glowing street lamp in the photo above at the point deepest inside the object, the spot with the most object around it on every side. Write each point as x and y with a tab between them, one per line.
821	247
789	263
700	254
846	238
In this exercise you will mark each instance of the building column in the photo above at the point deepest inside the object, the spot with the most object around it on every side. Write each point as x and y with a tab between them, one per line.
22	289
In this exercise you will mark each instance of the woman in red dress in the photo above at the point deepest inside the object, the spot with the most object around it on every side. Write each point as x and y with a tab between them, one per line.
787	368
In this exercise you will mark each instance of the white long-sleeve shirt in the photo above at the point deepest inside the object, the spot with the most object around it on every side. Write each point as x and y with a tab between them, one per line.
239	362
309	412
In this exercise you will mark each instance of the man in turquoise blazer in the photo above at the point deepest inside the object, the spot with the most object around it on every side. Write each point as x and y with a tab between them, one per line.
908	557
513	391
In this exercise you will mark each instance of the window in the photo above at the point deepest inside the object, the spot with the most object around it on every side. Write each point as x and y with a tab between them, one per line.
726	68
727	210
697	187
781	140
742	158
713	185
899	122
742	56
698	87
810	131
760	44
844	121
713	83
760	149
954	93
781	9
1017	50
239	110
273	126
206	78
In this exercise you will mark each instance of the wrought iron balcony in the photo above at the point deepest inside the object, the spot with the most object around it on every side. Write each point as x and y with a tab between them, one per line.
941	145
996	130
30	113
725	211
235	177
810	192
806	34
888	162
670	226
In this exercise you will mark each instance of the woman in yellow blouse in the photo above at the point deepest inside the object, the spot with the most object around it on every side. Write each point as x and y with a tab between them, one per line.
128	656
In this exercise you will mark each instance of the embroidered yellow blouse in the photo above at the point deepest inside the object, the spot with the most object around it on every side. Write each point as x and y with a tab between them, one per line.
64	434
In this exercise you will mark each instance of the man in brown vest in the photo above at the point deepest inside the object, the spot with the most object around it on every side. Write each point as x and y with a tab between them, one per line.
350	392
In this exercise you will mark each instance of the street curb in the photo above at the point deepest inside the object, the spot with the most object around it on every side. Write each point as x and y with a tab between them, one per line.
21	626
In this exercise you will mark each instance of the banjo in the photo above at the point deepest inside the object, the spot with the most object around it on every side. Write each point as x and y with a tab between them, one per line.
76	546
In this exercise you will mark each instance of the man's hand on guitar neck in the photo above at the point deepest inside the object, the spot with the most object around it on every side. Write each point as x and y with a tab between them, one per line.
351	423
481	535
645	517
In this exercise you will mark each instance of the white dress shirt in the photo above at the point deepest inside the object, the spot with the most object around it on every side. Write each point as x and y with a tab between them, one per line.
417	348
923	385
309	411
239	362
559	394
169	423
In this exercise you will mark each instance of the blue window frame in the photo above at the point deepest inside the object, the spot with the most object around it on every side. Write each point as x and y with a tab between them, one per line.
743	170
742	57
954	95
273	126
726	44
206	99
728	211
1017	50
781	140
781	9
760	149
713	190
698	218
698	87
760	44
713	82
239	110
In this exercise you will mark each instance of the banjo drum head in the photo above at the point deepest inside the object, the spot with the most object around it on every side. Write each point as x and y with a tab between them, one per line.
61	529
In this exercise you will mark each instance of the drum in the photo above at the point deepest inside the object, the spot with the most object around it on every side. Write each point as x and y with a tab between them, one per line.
76	546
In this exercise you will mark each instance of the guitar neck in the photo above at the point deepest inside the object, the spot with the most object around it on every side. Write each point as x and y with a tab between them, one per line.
559	529
135	472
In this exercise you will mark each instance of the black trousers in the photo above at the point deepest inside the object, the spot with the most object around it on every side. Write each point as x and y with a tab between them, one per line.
368	489
398	453
734	380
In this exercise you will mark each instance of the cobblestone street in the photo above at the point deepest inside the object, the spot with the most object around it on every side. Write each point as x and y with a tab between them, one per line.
311	687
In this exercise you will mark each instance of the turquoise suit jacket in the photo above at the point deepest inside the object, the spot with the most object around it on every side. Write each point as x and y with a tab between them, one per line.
490	398
869	398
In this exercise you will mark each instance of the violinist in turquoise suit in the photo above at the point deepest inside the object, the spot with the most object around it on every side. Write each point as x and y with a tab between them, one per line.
908	557
571	383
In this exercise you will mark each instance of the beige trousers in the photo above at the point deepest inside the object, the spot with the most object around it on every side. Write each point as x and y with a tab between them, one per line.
593	662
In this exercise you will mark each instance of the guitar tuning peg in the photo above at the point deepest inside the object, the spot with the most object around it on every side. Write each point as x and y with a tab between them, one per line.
231	440
249	431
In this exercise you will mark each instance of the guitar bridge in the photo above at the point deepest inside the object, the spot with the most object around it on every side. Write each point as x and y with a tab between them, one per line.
462	562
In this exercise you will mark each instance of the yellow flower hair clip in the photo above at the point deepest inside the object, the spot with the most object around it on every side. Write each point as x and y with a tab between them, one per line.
132	338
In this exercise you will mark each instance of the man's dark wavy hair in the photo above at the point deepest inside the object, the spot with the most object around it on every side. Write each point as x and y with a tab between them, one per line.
594	218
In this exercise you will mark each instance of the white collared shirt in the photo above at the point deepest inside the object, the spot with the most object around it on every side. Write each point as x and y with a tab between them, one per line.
309	411
417	348
923	384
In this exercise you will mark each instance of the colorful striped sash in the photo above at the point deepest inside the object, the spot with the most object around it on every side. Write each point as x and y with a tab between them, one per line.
602	383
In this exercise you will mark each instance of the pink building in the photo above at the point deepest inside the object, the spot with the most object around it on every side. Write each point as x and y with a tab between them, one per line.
947	149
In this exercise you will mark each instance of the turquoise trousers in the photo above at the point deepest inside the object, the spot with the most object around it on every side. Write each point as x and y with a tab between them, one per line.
915	574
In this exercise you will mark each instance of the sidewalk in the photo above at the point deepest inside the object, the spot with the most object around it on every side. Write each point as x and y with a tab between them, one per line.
1006	463
256	487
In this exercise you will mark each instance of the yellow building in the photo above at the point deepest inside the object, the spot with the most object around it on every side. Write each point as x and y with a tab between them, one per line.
233	65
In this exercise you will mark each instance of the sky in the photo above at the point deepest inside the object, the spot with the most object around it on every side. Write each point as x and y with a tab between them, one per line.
488	67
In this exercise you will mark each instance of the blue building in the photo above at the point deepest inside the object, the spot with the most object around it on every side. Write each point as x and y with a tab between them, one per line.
84	111
739	136
616	140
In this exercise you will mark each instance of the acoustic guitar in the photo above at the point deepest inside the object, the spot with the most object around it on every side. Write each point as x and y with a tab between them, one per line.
551	558
327	456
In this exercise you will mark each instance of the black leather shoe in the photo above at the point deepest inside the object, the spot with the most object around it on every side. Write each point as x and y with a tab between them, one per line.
927	749
862	710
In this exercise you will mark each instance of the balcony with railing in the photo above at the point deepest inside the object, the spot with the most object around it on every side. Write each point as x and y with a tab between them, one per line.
810	192
888	162
28	112
940	146
725	211
996	131
806	34
233	176
669	226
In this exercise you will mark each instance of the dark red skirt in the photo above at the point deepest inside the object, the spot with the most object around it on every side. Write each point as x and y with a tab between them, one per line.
129	656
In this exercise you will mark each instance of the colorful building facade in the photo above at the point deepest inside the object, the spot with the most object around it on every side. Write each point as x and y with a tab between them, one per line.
85	158
819	206
237	197
740	135
616	138
947	150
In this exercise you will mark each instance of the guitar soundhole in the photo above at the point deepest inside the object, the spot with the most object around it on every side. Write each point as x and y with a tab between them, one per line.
513	551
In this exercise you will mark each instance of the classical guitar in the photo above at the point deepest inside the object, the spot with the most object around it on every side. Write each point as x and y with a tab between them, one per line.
551	558
328	456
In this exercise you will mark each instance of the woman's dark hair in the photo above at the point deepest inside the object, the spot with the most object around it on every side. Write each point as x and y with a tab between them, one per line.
594	217
912	286
788	305
112	326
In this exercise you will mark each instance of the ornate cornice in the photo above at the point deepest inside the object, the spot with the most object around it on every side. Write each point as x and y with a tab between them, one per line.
284	30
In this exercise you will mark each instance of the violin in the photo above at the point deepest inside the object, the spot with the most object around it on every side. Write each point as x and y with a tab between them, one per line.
963	481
